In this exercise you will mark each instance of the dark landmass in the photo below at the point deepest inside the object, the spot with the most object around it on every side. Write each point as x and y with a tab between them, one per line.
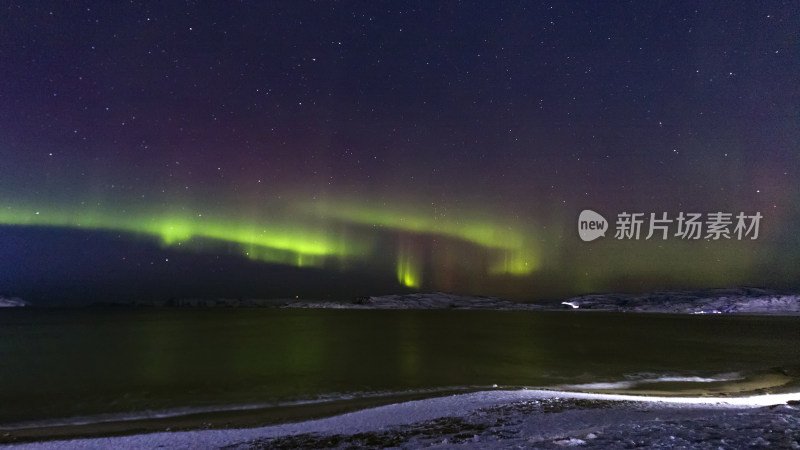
436	300
713	301
744	300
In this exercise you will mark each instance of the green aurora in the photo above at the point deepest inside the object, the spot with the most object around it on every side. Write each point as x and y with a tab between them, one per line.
458	251
295	242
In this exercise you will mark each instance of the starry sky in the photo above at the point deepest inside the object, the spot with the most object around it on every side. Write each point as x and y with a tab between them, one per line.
335	149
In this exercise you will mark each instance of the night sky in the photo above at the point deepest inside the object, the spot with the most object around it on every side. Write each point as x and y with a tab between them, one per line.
336	149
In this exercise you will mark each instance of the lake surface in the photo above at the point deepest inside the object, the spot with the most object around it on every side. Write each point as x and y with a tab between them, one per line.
72	366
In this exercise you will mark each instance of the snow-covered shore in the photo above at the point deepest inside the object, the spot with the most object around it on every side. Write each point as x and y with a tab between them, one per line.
507	419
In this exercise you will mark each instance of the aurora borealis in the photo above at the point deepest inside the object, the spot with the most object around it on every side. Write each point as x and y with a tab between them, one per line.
334	149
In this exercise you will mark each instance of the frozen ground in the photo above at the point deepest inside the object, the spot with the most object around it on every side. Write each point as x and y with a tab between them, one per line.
509	419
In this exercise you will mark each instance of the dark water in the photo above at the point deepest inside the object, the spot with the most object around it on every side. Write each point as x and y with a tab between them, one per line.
61	364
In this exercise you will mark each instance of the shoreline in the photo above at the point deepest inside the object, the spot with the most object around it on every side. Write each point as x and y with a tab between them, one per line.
713	390
236	417
314	424
726	388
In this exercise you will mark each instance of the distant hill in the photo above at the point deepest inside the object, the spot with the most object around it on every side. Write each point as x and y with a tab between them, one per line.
743	300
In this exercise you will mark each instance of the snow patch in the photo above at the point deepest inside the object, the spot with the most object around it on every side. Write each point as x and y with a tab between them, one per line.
13	302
